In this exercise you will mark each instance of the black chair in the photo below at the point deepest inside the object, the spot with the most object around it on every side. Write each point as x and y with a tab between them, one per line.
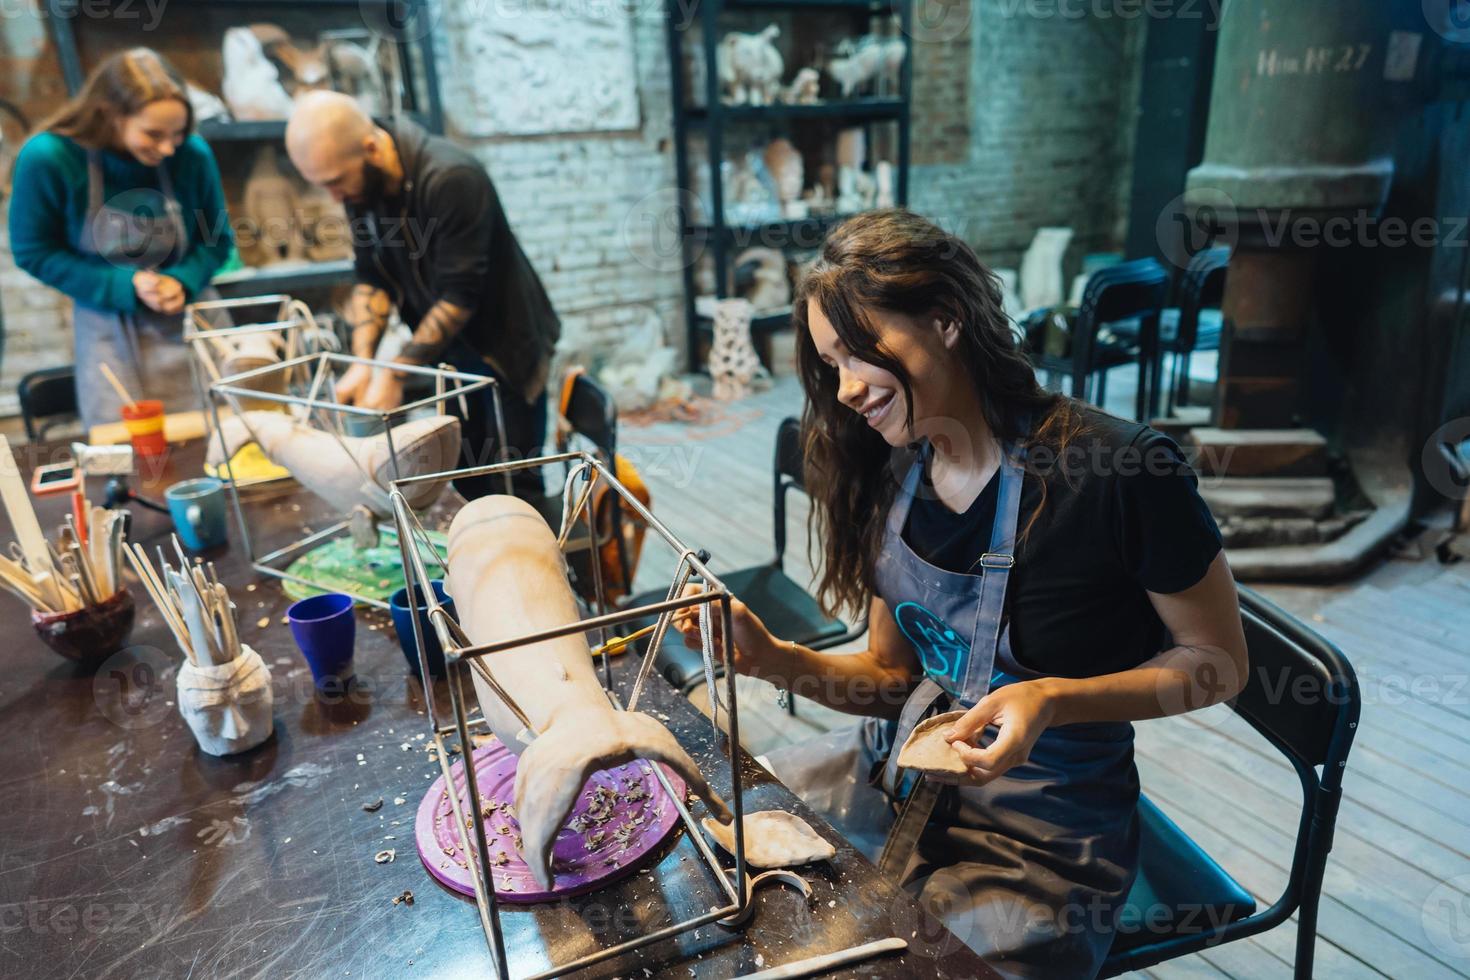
787	609
592	414
47	397
1302	696
1194	323
1117	297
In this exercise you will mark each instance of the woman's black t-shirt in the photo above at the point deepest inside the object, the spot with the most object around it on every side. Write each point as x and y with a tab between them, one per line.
1123	515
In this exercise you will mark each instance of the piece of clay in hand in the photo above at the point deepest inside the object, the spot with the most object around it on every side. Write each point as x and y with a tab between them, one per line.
773	839
927	750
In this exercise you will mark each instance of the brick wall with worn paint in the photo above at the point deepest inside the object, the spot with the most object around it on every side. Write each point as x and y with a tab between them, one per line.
1020	121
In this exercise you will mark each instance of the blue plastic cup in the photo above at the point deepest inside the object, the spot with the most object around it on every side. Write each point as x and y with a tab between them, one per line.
198	509
403	625
325	629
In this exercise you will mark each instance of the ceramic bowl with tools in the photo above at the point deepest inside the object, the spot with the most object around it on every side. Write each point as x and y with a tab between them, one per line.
91	634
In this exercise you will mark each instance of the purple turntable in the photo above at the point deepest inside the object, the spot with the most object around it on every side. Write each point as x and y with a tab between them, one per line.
620	815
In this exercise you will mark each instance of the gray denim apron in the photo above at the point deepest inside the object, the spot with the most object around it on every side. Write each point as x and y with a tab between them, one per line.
1028	869
144	347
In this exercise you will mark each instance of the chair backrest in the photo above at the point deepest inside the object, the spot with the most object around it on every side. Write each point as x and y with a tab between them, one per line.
1201	287
1118	292
592	414
788	473
1301	694
47	393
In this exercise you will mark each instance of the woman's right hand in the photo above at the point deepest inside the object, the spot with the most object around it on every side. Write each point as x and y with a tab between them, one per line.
757	652
160	293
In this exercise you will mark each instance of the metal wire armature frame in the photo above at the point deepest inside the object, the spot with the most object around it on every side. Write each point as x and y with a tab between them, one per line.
448	384
461	656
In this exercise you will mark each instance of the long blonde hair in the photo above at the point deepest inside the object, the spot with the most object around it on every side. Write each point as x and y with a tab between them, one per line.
119	87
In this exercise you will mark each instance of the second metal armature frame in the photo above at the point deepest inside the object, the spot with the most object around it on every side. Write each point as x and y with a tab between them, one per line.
231	388
461	656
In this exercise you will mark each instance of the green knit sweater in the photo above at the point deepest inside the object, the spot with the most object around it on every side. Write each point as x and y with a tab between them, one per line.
48	209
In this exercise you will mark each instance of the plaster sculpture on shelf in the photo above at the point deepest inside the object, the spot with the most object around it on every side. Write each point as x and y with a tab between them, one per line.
206	104
354	72
1041	268
893	50
883	196
271	212
508	577
805	88
769	289
252	83
856	190
750	191
733	362
298	69
346	470
856	65
750	67
783	163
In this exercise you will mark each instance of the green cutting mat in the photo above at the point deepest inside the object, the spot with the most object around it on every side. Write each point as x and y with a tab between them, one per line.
375	572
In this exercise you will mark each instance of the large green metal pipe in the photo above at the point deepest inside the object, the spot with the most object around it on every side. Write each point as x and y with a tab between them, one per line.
1297	108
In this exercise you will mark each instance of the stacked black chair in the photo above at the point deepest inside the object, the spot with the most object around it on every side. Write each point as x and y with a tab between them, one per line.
47	397
1127	298
1195	323
1302	697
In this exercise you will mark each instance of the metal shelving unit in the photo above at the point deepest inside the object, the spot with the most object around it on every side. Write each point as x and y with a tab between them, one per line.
415	58
723	241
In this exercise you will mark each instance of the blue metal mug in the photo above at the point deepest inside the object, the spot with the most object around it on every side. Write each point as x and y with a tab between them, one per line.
198	510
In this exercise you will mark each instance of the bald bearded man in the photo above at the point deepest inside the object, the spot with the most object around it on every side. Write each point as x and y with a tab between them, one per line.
430	237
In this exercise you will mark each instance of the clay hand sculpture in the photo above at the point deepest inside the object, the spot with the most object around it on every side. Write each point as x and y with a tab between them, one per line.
750	67
345	470
508	577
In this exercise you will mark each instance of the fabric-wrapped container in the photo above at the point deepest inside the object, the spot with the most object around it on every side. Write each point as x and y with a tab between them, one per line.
229	707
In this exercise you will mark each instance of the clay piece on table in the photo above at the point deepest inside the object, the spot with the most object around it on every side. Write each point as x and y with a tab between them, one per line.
750	67
347	470
508	576
774	839
927	750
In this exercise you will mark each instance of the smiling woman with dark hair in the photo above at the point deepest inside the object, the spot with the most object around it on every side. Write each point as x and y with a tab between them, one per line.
115	204
1031	562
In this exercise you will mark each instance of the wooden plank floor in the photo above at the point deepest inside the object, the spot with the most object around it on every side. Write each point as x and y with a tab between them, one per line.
1397	893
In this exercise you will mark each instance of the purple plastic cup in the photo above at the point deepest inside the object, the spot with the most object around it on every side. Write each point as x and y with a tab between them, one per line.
324	627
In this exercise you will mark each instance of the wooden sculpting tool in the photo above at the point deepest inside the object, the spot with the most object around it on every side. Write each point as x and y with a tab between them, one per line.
618	644
117	385
27	529
830	961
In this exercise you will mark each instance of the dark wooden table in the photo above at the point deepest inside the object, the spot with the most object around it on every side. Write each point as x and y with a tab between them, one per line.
125	851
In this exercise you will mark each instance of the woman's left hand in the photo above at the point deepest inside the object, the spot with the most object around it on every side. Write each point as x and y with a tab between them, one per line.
1020	711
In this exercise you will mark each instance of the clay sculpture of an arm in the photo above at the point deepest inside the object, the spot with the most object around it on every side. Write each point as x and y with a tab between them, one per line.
345	470
508	578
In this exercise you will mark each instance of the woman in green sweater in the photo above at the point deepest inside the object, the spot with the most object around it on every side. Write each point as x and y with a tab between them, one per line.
115	204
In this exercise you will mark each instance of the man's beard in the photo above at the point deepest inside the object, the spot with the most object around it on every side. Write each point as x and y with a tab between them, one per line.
374	184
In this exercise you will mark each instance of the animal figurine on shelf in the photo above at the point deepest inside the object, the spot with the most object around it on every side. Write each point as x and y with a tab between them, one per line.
252	83
856	65
347	470
733	362
750	67
805	88
509	579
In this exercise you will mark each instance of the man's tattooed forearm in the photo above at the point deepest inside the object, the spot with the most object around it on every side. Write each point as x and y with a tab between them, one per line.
435	331
367	313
